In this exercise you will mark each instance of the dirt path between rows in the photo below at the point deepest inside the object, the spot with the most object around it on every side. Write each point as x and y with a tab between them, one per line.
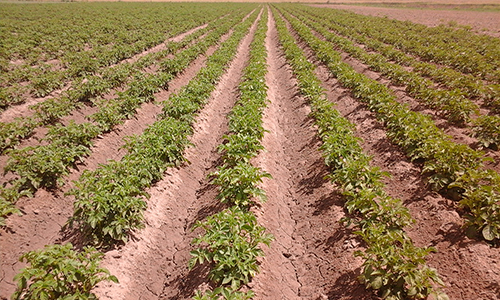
154	266
481	22
45	213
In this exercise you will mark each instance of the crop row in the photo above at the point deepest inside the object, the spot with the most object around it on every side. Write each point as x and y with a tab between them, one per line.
451	168
452	104
392	265
118	186
460	49
85	46
44	166
231	238
109	202
89	88
470	86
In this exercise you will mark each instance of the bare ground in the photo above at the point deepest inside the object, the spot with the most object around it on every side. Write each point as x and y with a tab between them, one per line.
481	22
312	256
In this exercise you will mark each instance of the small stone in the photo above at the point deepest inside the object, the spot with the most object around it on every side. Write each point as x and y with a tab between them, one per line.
115	254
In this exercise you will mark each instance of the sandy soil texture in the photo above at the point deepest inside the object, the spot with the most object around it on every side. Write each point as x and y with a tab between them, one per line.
481	22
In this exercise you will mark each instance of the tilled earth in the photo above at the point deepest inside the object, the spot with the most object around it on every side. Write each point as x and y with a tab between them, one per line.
481	21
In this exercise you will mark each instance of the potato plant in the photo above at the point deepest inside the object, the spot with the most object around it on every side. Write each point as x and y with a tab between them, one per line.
445	162
118	187
89	89
231	241
45	166
59	272
232	238
392	266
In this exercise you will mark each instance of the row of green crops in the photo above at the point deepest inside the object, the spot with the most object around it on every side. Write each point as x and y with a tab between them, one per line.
231	238
392	265
118	186
452	104
109	201
471	86
44	166
89	89
462	50
45	47
451	168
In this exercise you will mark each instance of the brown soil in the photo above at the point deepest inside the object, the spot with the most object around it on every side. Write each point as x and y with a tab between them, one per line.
312	254
481	22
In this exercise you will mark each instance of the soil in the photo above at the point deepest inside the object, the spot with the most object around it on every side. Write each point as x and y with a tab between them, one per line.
481	21
311	256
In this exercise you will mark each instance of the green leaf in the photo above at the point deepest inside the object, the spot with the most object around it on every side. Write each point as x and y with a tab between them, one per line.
489	233
376	282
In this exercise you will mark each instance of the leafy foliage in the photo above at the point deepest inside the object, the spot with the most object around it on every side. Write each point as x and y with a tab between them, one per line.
445	161
232	239
109	201
223	293
238	183
392	265
58	272
486	130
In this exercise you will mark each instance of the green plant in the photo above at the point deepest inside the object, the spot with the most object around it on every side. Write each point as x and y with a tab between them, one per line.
109	204
481	198
50	111
238	183
59	272
394	267
486	130
240	147
6	209
231	242
223	293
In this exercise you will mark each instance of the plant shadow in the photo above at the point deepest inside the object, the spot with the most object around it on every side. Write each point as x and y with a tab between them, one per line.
347	286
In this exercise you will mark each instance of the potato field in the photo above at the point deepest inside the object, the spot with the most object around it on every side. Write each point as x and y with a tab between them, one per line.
246	151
